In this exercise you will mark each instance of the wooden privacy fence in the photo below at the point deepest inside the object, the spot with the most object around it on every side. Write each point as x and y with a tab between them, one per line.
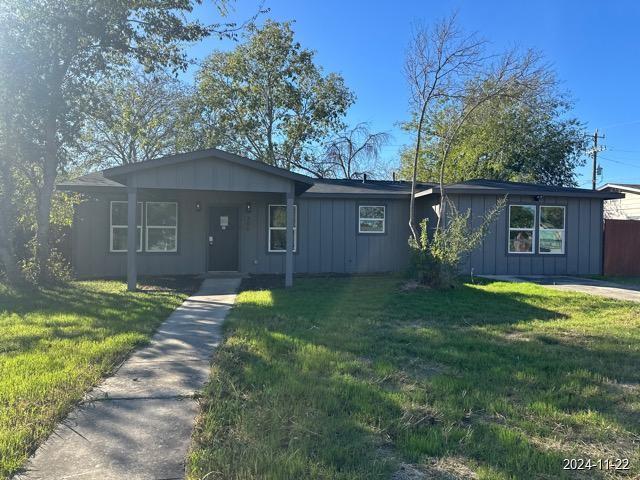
622	247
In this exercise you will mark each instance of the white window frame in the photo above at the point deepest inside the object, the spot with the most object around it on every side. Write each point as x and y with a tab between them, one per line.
148	227
563	230
384	219
532	230
269	228
112	226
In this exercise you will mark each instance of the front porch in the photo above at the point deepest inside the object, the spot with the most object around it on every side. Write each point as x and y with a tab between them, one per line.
196	213
215	232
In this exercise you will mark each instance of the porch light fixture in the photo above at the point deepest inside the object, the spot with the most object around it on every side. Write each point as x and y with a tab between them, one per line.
248	207
198	206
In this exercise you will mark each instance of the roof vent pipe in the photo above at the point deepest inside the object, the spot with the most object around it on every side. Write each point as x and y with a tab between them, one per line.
364	177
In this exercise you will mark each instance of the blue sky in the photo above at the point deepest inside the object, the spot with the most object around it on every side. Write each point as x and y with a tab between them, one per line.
593	46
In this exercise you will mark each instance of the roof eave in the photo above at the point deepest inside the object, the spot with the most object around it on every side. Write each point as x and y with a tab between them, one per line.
356	195
89	188
625	188
502	191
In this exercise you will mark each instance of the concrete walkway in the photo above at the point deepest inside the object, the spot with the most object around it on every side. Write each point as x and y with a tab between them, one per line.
601	288
137	424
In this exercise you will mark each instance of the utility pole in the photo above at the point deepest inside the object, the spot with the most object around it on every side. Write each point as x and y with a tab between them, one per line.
594	153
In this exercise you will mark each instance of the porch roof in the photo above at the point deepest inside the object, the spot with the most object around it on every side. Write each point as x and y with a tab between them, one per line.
210	169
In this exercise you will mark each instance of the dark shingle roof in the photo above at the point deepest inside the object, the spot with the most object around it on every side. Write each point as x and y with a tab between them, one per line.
325	186
481	186
97	181
90	181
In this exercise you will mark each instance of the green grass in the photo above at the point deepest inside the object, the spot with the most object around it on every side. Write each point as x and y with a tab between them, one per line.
353	378
55	344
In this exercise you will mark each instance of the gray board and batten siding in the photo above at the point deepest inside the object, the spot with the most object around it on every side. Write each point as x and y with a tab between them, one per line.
328	237
583	238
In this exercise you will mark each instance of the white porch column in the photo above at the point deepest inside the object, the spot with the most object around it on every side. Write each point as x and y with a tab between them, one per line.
288	277
132	236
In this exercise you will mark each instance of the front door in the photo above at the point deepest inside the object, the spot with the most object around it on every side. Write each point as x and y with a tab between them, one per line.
223	239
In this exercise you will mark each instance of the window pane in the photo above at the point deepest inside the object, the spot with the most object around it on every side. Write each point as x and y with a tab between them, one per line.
119	213
371	212
162	214
520	241
120	239
278	216
551	241
552	217
522	216
161	239
372	225
278	239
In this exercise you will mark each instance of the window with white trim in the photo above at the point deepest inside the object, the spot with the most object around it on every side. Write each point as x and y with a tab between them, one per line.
277	228
161	227
118	213
371	218
552	229
522	228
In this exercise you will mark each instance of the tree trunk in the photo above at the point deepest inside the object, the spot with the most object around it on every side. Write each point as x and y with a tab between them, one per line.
7	255
49	172
414	176
7	209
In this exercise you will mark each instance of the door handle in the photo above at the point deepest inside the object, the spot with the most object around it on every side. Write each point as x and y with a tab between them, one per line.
210	239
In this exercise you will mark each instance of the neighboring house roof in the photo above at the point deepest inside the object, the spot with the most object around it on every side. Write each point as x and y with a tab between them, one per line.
621	187
495	187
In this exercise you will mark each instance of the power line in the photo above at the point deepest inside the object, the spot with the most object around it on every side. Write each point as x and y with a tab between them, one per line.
622	124
623	151
620	162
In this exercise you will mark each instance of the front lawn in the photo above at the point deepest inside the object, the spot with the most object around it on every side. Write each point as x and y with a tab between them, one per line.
58	342
354	378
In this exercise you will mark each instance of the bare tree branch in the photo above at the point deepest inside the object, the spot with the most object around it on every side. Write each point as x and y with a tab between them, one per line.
354	151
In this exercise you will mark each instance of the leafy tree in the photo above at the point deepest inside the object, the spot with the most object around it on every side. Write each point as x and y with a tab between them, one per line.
134	118
52	53
270	100
528	139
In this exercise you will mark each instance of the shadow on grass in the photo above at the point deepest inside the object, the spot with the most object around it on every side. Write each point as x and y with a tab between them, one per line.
79	310
355	366
55	343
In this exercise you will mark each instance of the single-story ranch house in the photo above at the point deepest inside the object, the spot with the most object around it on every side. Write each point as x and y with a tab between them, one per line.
214	211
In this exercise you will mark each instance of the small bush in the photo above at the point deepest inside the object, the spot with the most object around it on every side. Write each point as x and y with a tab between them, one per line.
435	258
58	269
